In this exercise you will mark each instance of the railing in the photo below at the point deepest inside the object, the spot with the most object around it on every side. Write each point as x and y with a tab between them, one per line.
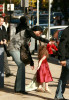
55	27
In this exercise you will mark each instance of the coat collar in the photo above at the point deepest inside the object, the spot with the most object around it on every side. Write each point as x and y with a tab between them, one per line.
1	27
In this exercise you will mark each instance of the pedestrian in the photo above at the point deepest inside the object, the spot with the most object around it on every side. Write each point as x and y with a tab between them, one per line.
63	55
7	27
23	38
6	24
22	25
43	74
6	67
3	41
57	21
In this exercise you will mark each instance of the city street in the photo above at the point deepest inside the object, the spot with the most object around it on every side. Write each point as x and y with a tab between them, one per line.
8	92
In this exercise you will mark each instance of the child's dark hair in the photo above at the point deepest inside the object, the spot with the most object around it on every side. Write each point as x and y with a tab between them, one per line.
42	51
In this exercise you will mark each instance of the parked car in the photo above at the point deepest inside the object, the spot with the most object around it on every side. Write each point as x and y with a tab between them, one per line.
57	14
17	14
45	25
15	20
56	33
43	19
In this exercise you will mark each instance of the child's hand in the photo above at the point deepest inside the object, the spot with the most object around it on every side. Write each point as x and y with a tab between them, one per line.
32	67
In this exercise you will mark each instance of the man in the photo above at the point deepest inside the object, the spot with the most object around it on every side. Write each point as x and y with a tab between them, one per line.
6	67
63	55
3	41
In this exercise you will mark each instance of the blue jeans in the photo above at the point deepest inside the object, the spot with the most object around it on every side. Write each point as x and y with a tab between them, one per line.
20	78
62	81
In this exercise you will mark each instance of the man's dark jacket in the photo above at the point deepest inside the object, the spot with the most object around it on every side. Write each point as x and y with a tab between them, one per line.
3	35
63	48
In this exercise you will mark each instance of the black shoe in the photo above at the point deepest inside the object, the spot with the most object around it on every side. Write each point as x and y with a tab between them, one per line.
9	74
23	92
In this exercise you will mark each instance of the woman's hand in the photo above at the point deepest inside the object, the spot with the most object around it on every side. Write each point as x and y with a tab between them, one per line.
32	67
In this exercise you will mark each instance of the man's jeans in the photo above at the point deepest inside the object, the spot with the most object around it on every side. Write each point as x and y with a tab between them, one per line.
20	78
62	81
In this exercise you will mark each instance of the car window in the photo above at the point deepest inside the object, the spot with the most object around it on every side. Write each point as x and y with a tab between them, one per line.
60	33
57	14
15	20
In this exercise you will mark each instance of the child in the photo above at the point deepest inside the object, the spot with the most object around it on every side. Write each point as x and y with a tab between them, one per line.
43	73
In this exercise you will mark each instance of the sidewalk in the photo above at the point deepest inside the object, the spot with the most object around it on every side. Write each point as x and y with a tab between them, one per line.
8	92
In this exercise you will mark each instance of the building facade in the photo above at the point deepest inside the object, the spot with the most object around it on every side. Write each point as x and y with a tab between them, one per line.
32	3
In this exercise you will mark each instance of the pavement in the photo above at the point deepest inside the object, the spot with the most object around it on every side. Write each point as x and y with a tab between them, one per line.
8	92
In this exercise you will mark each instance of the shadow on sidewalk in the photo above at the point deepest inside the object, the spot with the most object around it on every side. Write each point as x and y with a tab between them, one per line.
53	85
55	78
29	73
7	90
30	94
12	64
35	58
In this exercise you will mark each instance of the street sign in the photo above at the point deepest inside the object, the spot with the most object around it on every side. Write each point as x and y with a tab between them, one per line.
10	7
51	1
26	3
1	7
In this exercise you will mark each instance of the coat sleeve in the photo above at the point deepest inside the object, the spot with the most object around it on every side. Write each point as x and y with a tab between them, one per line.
31	60
5	36
62	46
38	37
30	57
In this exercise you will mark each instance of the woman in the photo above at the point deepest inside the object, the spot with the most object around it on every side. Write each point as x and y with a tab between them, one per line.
23	38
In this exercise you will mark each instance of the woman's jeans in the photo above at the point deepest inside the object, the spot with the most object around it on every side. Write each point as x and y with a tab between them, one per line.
62	81
20	78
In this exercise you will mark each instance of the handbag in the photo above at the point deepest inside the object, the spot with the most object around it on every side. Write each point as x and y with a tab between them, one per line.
24	54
